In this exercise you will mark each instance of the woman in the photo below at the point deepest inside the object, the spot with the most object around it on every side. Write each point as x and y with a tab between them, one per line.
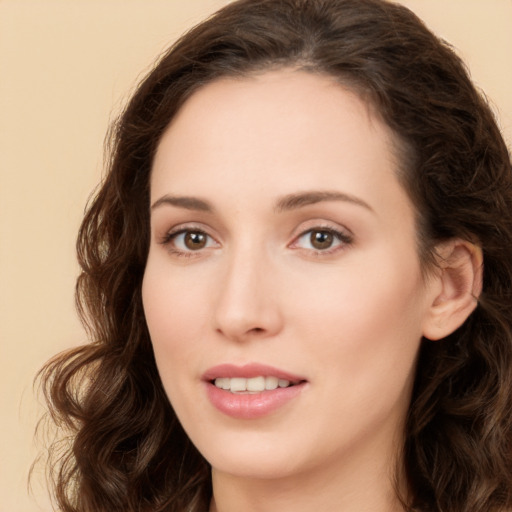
297	274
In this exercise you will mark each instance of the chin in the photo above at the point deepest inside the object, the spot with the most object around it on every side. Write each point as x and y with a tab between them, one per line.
255	457
255	468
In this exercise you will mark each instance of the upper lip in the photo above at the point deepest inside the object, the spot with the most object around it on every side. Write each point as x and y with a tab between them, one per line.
249	371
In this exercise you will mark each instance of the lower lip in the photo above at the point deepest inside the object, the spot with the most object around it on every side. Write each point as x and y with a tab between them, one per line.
251	406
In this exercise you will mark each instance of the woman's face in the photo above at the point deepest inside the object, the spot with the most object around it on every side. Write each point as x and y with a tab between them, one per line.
283	253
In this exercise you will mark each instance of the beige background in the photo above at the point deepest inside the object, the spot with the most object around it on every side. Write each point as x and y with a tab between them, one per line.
66	67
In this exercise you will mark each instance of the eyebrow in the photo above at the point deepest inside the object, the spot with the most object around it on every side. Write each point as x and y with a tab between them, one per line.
186	202
295	201
285	203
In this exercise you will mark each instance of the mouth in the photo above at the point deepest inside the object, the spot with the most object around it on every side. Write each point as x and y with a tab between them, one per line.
252	391
252	385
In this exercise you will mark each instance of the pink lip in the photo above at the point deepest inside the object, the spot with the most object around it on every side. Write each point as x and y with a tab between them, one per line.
247	371
250	406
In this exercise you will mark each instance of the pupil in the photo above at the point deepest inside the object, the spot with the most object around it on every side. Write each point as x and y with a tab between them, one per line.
195	241
321	239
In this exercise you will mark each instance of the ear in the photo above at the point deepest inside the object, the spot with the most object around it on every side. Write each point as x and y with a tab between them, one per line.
456	286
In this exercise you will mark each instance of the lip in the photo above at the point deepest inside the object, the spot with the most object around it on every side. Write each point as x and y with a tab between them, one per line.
248	371
251	406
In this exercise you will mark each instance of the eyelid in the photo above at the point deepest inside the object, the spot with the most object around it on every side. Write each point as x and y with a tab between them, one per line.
167	239
167	233
322	225
342	234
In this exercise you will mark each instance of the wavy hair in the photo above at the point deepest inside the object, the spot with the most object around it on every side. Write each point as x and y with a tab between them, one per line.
125	449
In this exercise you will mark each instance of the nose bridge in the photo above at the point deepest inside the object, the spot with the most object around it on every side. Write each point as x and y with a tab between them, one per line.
246	302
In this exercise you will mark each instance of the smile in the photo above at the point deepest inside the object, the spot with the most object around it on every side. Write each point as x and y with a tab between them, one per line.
252	385
251	391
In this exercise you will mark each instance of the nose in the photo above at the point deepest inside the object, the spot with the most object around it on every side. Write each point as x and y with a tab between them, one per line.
247	303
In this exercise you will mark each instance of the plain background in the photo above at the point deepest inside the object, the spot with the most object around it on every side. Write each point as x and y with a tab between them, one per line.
66	68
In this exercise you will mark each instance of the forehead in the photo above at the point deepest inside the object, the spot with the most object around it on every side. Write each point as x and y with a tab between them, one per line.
274	120
288	98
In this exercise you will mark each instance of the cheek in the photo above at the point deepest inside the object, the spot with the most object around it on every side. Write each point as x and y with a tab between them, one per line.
362	294
174	317
368	319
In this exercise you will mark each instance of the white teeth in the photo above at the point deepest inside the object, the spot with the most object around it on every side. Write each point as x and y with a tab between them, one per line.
255	384
252	385
238	384
271	383
222	383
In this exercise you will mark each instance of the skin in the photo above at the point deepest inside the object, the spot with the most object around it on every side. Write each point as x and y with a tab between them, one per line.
348	318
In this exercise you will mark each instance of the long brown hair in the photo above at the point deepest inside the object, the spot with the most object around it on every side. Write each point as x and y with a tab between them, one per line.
126	450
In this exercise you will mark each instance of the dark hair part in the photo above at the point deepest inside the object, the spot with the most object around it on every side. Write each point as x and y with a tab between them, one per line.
128	451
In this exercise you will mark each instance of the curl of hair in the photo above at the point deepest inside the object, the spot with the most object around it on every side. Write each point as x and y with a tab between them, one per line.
128	450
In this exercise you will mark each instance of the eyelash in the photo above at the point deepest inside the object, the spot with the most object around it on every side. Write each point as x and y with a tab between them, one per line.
344	239
171	236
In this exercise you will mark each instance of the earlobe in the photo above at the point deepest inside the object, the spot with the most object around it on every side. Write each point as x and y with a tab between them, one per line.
456	287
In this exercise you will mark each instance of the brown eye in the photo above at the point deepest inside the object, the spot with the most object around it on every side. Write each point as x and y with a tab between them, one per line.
188	241
321	240
194	240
